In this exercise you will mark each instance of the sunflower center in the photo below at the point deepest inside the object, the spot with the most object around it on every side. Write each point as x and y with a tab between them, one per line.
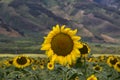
41	64
97	68
91	78
50	65
62	44
113	62
84	50
22	60
118	65
10	62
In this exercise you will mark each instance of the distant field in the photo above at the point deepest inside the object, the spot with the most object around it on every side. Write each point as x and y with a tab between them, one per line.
104	48
6	1
32	45
31	55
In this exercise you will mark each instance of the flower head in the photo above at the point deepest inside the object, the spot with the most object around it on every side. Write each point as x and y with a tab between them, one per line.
21	61
97	68
111	61
62	45
85	50
117	66
50	65
92	77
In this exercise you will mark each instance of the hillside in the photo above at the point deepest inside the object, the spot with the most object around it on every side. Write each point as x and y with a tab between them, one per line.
96	21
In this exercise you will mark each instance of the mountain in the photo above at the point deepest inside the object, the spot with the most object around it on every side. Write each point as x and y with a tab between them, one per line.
96	20
109	3
5	29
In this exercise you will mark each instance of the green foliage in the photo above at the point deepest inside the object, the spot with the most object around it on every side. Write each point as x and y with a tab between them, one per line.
81	70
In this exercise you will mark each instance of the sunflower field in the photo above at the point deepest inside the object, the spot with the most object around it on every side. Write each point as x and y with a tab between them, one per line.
40	68
67	58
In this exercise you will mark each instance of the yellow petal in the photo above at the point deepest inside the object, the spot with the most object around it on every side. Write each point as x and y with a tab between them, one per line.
73	56
77	44
77	52
47	40
53	28
62	28
71	33
54	58
44	37
57	28
77	38
51	34
63	61
75	31
46	47
60	60
69	60
50	53
66	30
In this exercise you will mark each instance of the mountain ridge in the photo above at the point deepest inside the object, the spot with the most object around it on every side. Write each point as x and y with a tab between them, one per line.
100	23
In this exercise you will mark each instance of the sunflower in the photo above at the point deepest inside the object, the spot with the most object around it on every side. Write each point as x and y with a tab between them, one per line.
77	78
50	65
92	77
97	68
102	58
85	50
31	60
42	65
21	61
62	45
43	60
8	62
117	66
91	59
111	61
34	67
36	62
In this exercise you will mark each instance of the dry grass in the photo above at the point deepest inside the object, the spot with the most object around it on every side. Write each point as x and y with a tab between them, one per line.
43	55
31	55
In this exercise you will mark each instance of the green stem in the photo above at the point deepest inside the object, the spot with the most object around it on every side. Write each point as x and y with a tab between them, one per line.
85	67
64	76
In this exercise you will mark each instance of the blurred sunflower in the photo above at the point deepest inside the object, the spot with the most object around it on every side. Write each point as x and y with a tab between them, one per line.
85	50
92	77
34	67
21	61
117	66
62	45
50	65
97	68
77	78
102	58
112	60
8	62
36	61
42	65
91	59
31	60
43	60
